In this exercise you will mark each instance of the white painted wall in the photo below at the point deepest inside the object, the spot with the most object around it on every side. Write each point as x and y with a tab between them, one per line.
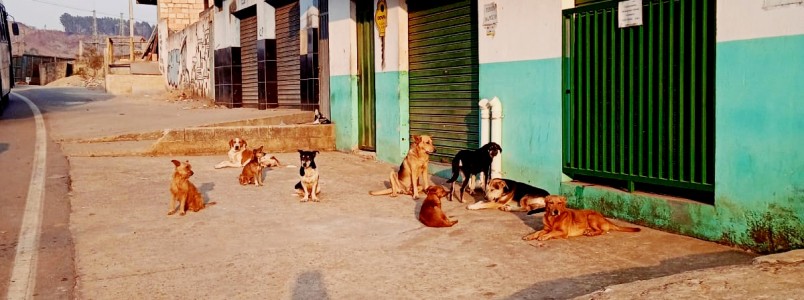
526	30
227	27
342	38
750	19
266	21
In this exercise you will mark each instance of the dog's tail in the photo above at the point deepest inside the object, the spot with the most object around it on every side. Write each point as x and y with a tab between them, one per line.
538	210
625	228
381	192
455	170
210	203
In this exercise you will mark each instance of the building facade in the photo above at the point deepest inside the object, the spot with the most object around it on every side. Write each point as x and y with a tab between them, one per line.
680	115
685	119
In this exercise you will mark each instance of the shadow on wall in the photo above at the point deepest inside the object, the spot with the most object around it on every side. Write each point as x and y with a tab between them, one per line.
567	288
310	285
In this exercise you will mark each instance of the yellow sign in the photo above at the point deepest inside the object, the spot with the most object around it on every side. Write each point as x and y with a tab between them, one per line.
381	17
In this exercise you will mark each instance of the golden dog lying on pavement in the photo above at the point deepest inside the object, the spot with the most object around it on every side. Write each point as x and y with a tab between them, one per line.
562	222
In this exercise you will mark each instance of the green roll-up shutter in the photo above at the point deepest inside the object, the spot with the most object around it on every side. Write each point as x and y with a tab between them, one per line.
444	74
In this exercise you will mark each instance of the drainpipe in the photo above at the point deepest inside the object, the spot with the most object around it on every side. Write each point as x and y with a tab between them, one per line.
496	135
485	125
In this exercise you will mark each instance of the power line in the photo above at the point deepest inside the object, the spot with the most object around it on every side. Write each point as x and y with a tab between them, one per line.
83	9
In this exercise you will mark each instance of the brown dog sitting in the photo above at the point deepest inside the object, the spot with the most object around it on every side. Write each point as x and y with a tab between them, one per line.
431	214
184	191
562	222
252	172
413	168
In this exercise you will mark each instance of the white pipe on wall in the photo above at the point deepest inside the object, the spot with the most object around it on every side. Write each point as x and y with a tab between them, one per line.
496	135
485	126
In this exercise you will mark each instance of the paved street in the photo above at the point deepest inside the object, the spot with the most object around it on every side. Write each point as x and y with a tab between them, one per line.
262	243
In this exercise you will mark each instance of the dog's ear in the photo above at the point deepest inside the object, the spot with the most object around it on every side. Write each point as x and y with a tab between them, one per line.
176	162
417	139
505	187
231	143
259	149
301	151
499	148
243	142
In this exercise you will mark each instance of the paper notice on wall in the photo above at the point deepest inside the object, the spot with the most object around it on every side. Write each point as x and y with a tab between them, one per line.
629	13
490	18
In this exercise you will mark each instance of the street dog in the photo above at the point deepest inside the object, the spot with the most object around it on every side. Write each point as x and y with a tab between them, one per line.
183	191
430	213
252	172
502	191
470	162
269	161
562	222
413	168
239	154
308	172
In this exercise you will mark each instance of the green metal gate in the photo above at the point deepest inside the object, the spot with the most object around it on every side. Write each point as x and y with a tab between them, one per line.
639	102
444	74
366	105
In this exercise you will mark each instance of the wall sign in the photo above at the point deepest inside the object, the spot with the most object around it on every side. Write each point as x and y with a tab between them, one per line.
381	19
490	18
629	13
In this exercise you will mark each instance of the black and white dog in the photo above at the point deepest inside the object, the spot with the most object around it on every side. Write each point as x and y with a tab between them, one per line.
320	118
308	174
471	162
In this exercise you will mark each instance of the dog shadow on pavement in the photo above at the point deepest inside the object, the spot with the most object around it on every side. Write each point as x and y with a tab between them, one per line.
310	285
205	188
3	147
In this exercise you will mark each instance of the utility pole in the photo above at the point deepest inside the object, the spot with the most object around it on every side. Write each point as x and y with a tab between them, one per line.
120	31
95	29
131	29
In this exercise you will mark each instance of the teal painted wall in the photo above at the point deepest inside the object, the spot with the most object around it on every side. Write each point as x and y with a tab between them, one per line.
759	156
343	106
759	145
530	92
392	116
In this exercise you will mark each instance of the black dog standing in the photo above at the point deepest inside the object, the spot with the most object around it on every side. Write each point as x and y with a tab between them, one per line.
471	162
309	176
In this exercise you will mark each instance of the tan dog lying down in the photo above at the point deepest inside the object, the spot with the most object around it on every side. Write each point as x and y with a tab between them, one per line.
413	168
562	222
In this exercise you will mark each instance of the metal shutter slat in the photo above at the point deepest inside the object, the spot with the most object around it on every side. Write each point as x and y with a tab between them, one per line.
444	74
248	46
287	55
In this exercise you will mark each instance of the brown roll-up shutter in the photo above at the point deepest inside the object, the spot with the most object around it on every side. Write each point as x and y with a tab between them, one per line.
287	55
248	52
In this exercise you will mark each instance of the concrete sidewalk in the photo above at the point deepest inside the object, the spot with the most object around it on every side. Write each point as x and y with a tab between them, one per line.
261	242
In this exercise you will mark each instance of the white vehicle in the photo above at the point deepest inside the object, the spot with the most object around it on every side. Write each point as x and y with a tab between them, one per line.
6	78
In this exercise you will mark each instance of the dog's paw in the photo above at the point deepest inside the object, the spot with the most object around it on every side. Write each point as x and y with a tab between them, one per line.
182	213
315	199
505	208
171	212
529	237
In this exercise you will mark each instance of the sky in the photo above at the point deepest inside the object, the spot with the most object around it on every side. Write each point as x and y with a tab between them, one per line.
45	13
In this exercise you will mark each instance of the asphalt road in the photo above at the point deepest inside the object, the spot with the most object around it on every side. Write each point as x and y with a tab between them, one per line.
55	269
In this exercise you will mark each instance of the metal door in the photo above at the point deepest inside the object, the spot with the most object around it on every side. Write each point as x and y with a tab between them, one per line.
365	82
248	48
639	103
444	74
288	53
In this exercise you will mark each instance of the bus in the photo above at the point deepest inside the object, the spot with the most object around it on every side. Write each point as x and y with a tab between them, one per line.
6	76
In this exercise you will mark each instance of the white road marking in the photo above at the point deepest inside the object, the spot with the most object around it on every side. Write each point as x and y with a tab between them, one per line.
23	274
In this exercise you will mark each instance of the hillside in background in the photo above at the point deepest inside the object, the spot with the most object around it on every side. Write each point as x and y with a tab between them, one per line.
106	26
52	42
